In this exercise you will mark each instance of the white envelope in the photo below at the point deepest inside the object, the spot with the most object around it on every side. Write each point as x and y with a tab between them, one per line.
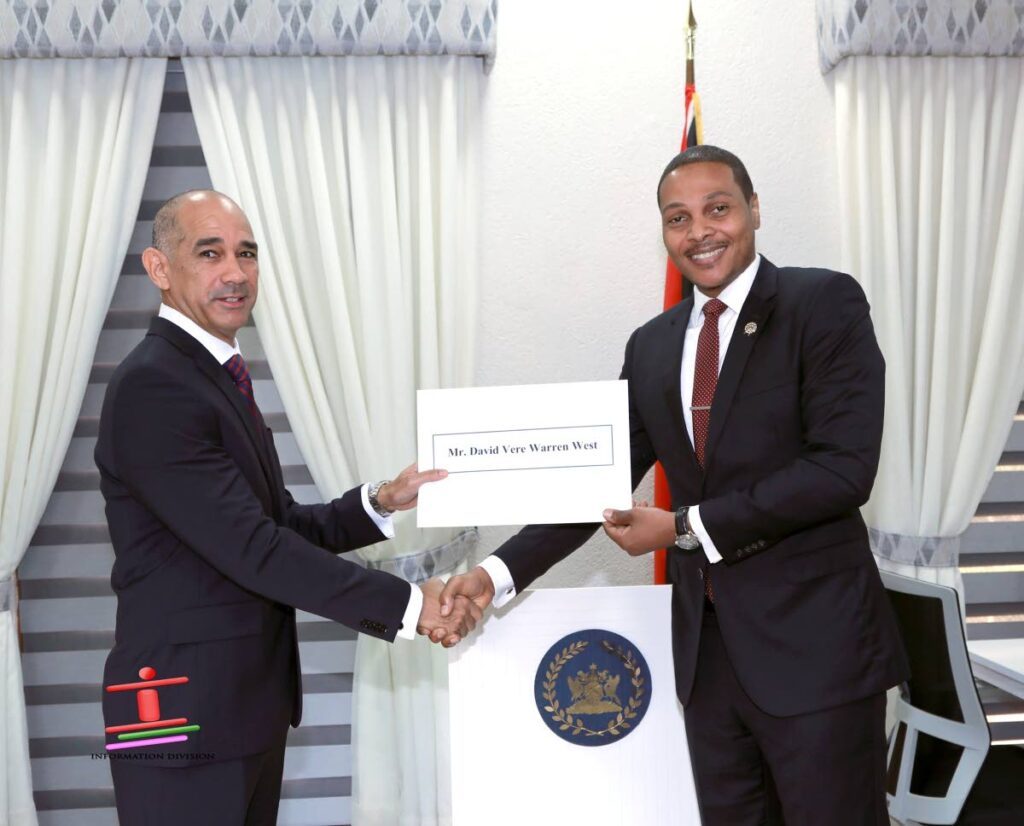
537	453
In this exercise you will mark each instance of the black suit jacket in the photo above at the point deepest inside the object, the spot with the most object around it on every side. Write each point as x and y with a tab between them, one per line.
792	450
212	554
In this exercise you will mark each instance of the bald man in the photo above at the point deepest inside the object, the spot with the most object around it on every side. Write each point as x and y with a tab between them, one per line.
212	553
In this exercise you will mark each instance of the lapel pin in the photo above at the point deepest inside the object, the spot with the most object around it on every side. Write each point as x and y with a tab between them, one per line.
750	329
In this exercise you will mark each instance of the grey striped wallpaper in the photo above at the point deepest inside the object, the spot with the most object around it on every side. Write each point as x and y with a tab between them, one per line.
67	608
992	548
992	565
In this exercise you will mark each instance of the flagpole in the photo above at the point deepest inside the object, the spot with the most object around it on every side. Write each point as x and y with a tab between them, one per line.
691	46
674	286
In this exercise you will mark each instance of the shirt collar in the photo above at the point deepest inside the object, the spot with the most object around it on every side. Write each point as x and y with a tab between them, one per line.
219	349
732	296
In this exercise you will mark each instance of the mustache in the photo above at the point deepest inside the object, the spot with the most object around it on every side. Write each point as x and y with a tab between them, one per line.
230	292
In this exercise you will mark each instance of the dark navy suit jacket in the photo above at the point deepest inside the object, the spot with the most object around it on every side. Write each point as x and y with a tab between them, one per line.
212	554
792	451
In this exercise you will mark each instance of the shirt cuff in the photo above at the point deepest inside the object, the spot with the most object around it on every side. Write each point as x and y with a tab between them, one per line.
504	587
710	551
385	524
411	618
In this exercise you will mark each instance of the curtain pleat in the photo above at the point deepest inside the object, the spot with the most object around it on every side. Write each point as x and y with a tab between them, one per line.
75	141
931	178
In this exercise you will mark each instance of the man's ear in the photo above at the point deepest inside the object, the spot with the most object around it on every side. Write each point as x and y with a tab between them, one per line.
755	209
157	267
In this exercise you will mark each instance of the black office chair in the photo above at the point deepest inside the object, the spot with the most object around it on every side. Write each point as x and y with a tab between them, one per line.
942	767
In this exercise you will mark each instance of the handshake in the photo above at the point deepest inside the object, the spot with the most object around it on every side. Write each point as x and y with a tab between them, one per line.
451	611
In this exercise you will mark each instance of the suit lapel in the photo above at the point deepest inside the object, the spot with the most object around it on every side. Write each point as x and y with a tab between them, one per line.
216	373
672	378
755	311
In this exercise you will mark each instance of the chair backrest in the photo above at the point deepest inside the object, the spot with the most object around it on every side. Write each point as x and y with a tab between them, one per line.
941	737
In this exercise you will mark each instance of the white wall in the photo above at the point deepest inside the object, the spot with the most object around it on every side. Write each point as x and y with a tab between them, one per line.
583	110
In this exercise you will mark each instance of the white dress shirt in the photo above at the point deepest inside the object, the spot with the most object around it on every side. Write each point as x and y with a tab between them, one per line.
733	297
222	351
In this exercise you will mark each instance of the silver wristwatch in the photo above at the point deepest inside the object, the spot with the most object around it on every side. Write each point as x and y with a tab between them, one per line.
685	537
371	494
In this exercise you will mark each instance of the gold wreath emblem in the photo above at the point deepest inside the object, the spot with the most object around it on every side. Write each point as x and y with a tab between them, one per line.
572	724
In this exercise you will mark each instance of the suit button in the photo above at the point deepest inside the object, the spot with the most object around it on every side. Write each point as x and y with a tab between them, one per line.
700	573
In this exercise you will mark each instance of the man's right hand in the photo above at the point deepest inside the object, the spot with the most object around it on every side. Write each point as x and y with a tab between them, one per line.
476	586
446	627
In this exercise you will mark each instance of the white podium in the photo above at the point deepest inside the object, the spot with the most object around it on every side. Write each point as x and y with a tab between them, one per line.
510	768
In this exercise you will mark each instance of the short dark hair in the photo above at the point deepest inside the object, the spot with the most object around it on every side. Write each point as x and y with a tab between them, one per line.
166	232
706	153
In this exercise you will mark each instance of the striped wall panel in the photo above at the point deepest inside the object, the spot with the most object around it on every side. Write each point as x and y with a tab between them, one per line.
67	608
992	550
992	565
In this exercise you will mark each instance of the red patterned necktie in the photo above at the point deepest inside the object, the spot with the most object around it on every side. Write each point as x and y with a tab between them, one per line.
705	376
240	375
705	380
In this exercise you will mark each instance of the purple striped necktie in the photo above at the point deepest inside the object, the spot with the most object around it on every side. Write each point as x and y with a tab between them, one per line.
240	375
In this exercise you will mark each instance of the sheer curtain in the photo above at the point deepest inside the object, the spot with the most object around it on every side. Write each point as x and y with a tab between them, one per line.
75	141
931	177
359	176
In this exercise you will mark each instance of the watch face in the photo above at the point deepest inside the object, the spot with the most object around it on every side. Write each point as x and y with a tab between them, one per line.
687	541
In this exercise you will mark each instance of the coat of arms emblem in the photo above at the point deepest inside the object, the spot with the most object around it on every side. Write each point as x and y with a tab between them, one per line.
592	687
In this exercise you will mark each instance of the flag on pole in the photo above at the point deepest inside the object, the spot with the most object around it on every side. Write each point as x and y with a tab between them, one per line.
693	134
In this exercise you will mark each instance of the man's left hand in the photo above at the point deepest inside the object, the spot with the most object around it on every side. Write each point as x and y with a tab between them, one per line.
641	529
401	493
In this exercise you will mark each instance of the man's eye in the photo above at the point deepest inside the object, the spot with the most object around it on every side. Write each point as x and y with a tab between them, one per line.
719	209
207	254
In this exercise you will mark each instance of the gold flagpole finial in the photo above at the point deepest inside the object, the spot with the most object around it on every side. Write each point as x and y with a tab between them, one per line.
691	43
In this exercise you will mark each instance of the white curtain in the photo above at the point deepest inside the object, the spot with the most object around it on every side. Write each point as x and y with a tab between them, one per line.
75	141
359	176
931	178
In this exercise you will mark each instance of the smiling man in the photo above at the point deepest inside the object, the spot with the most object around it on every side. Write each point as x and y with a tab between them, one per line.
762	397
212	553
193	233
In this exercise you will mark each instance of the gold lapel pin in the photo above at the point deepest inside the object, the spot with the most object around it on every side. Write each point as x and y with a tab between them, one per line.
750	329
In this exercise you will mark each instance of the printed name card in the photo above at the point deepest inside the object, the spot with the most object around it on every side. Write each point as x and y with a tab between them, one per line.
539	453
534	448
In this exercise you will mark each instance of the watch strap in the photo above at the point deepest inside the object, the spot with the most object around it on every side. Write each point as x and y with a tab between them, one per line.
371	495
682	521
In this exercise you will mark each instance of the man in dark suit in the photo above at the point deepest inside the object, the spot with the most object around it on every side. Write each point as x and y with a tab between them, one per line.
762	397
212	554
